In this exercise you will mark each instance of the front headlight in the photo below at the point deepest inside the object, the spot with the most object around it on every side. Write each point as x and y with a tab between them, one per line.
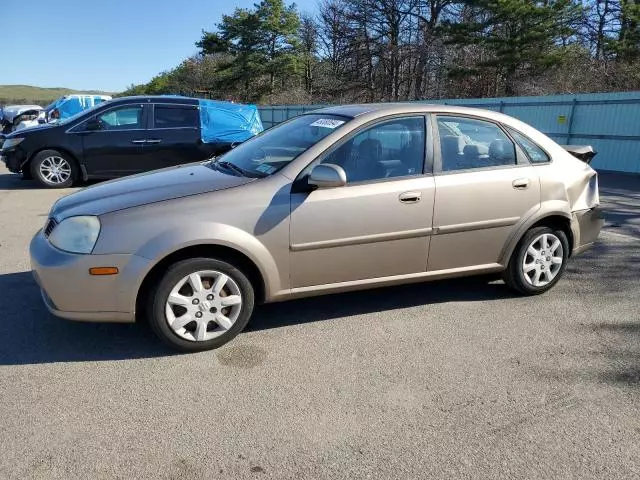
76	234
11	142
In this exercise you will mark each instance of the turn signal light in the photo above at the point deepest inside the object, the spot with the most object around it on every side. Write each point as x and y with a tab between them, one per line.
103	271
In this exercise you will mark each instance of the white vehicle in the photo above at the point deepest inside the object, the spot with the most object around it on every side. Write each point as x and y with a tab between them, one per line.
11	113
30	119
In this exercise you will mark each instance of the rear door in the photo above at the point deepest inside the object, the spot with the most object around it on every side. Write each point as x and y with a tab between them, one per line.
484	186
116	148
174	136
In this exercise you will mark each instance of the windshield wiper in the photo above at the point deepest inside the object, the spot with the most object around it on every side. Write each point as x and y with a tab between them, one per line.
234	168
229	166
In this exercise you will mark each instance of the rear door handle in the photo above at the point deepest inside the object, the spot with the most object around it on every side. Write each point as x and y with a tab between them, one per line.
520	183
410	197
154	140
138	141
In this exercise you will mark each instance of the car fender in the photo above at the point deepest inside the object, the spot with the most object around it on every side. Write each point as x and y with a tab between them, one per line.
171	241
550	208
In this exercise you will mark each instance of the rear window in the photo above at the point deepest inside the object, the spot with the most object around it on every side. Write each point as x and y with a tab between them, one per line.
169	116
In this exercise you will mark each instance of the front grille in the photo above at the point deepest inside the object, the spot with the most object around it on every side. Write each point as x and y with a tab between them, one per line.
48	228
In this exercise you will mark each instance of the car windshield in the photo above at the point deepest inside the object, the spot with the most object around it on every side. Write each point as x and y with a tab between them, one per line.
277	147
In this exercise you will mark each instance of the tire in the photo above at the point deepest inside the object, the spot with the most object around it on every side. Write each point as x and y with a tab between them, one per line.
208	331
544	263
53	169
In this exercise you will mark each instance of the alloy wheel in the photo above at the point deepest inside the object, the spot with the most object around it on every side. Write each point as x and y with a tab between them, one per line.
55	170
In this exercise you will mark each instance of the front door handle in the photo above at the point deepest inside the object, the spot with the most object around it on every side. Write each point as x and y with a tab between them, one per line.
138	141
520	183
154	140
410	197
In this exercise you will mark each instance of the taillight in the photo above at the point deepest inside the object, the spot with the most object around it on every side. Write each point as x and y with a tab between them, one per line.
593	193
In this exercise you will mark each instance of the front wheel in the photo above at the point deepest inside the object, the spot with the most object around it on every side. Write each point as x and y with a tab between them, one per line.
538	261
200	304
53	169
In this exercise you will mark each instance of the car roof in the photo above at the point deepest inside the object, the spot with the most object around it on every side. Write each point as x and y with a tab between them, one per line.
356	110
75	95
154	98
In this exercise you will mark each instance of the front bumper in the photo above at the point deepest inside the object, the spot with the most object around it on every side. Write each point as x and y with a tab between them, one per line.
586	226
13	159
70	292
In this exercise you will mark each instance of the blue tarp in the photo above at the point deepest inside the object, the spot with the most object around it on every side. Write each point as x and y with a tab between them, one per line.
70	105
228	122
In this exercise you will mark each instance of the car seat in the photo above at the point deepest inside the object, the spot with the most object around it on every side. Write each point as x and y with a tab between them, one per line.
367	164
475	155
451	147
501	152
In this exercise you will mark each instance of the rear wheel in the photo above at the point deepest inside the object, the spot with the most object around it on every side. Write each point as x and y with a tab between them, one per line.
538	262
53	169
200	304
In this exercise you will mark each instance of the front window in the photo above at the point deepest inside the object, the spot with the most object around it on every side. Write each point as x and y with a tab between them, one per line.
123	118
81	113
276	148
393	148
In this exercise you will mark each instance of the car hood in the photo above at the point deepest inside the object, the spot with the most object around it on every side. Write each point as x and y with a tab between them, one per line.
31	130
143	189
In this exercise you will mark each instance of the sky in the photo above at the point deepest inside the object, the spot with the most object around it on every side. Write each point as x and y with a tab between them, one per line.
106	45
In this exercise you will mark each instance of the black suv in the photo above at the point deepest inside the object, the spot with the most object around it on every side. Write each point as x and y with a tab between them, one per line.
116	138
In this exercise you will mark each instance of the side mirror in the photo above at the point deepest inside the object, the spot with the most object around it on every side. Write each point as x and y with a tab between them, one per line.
327	175
93	124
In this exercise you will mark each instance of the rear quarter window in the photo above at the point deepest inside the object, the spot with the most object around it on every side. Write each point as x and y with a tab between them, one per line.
535	153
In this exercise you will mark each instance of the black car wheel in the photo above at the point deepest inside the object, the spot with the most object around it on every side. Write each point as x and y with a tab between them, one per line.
53	169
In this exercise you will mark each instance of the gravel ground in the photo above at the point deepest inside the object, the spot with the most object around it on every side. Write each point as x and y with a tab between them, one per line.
442	380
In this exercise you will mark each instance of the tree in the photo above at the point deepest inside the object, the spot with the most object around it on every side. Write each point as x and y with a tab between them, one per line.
262	41
627	45
308	46
387	50
519	35
279	26
240	36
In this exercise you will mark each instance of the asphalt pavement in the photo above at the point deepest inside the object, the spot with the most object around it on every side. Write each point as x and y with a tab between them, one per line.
455	379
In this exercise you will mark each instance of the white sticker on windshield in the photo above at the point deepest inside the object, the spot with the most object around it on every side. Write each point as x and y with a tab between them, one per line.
265	168
327	123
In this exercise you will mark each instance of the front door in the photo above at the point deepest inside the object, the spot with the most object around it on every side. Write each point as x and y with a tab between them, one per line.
484	187
379	224
116	148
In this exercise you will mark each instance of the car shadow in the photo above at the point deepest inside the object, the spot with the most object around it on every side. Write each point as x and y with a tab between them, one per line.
30	335
620	348
14	181
328	307
620	196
